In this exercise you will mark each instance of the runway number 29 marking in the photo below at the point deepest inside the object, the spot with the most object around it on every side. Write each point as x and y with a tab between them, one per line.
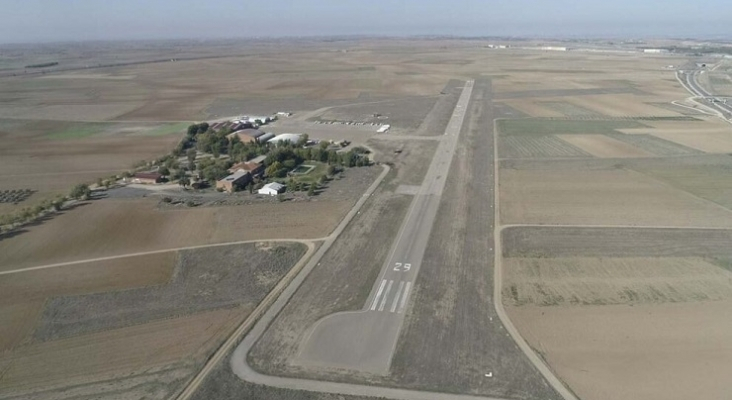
399	267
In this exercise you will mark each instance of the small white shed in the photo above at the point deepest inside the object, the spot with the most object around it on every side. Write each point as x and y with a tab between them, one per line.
272	189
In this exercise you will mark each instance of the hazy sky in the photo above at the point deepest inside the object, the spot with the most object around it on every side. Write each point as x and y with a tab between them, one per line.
61	20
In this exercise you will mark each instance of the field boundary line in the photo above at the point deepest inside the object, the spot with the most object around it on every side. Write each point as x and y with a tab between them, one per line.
543	368
152	252
700	228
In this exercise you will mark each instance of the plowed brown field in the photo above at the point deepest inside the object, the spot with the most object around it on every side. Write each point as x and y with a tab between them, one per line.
117	227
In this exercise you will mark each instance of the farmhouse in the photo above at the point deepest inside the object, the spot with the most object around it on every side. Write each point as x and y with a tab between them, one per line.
272	189
147	177
254	168
246	135
234	181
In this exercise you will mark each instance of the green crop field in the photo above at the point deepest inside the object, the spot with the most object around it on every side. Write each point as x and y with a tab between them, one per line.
167	129
77	131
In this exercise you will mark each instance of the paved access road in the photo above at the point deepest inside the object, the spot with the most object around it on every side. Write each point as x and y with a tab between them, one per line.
365	340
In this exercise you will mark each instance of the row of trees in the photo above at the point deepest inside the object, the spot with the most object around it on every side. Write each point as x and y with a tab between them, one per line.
30	214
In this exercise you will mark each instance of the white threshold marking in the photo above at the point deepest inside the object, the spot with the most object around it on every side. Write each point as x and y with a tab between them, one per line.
396	298
378	293
404	297
386	294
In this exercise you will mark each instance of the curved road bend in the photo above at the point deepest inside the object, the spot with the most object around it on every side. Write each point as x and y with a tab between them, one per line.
274	303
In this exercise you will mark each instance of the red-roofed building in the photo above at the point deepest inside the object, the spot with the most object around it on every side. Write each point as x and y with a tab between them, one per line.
147	177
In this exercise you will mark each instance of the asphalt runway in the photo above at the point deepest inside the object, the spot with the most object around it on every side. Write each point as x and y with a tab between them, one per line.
365	340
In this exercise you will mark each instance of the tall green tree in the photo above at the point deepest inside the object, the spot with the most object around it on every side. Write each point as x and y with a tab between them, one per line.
191	155
80	192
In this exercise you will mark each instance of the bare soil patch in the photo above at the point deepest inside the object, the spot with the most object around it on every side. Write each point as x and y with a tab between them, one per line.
116	227
92	277
604	146
650	351
18	321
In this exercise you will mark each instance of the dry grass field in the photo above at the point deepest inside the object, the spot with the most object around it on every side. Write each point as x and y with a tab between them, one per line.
23	295
600	196
123	326
50	157
660	351
623	311
603	146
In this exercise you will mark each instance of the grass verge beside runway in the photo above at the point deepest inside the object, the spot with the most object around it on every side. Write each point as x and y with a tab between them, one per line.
452	337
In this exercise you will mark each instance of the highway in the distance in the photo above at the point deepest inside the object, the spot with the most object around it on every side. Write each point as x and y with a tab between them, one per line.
690	79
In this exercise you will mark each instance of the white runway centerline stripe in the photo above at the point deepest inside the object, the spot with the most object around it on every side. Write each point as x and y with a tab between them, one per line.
396	297
378	293
404	297
386	294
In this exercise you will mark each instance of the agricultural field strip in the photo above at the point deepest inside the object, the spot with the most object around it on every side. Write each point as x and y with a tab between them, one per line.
537	361
98	171
717	228
269	308
308	242
689	194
